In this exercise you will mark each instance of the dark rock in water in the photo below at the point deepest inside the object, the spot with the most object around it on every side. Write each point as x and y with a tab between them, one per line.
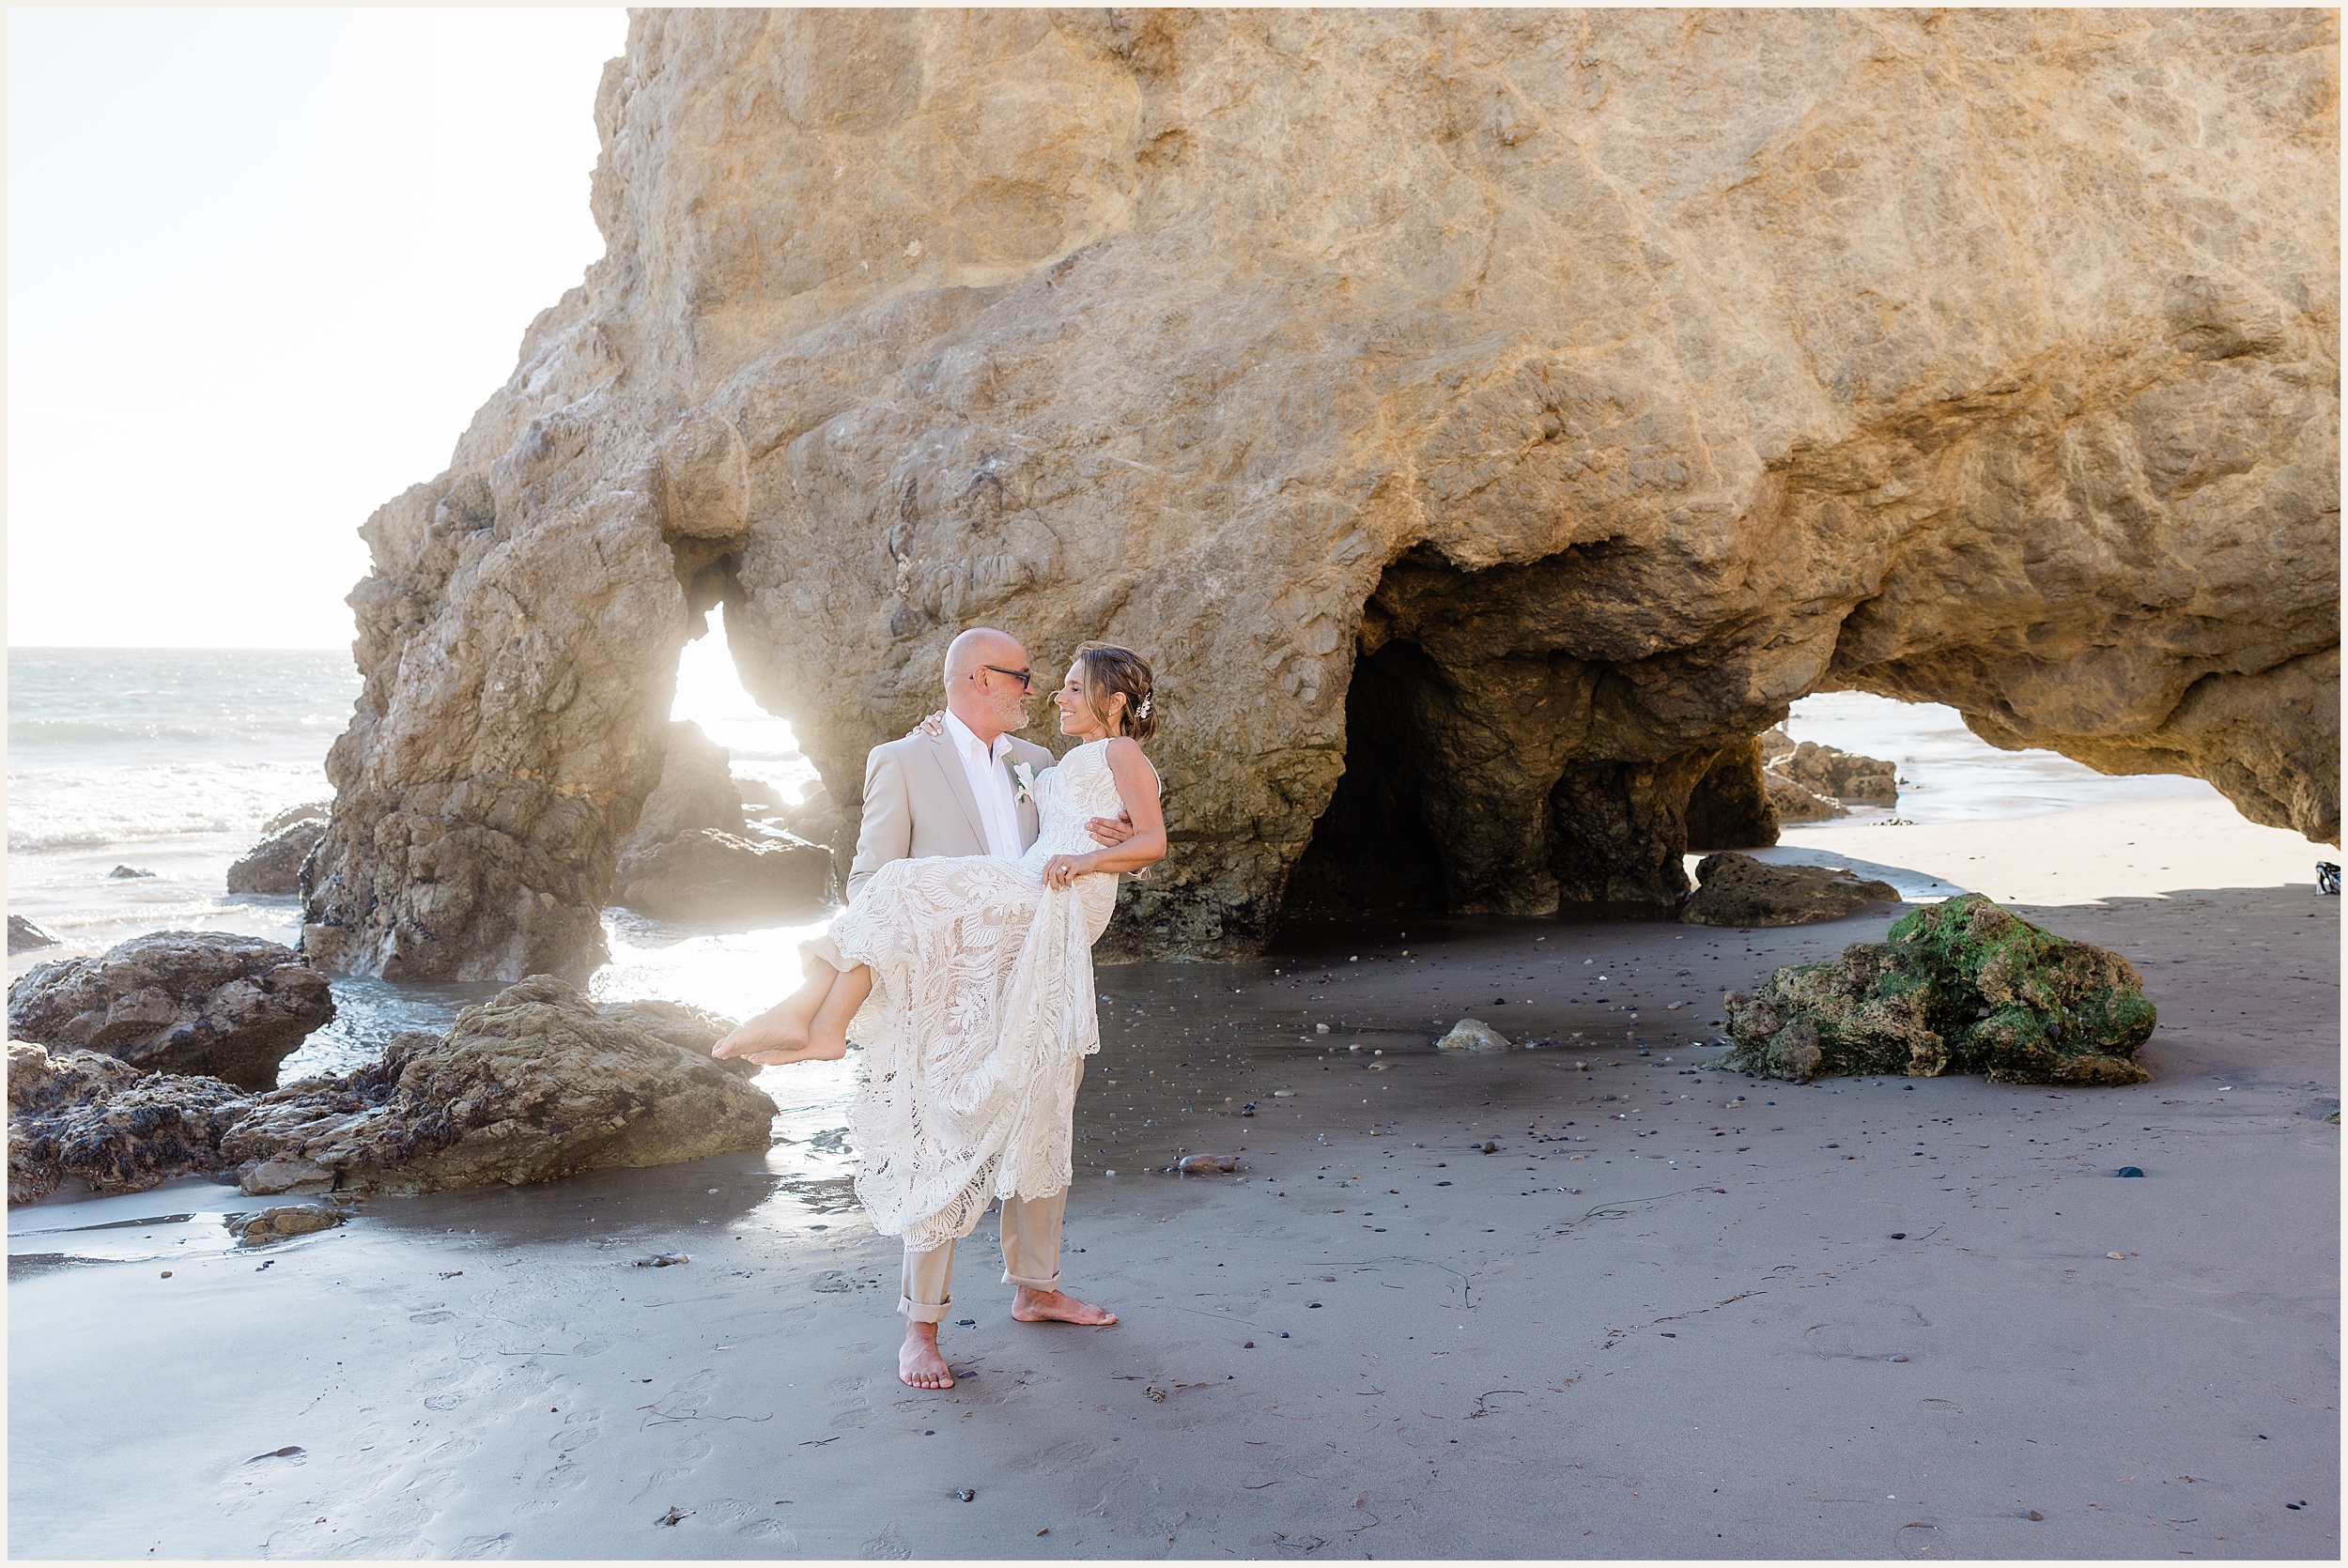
277	1224
122	872
2130	1170
1795	804
1964	986
708	875
273	866
308	811
1828	770
1731	807
81	1113
1738	890
534	1083
23	936
210	1003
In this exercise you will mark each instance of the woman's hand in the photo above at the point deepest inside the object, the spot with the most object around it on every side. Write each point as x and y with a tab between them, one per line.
934	726
1063	870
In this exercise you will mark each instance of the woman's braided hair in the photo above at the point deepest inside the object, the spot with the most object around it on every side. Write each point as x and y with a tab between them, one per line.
1108	669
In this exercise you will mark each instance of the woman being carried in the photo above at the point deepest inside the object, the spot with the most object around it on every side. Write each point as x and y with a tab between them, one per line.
967	981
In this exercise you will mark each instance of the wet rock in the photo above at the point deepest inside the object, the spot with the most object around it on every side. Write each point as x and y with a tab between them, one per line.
273	866
534	1083
1796	804
23	936
210	1002
1473	1035
1843	775
84	1115
1207	1164
1738	890
708	875
1964	986
125	873
286	1219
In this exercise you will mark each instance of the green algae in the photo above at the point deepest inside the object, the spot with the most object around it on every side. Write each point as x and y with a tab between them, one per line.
1966	986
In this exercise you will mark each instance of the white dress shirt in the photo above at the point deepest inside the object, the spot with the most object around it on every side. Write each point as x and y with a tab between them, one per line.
990	784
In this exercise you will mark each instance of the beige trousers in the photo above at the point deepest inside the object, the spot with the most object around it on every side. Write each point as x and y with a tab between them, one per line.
1030	1257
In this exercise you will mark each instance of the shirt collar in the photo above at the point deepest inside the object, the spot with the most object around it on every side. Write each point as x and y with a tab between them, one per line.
967	742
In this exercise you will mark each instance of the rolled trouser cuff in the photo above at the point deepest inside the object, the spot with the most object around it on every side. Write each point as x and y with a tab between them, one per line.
918	1311
822	948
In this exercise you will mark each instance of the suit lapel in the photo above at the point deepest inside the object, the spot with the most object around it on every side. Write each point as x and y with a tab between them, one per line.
958	784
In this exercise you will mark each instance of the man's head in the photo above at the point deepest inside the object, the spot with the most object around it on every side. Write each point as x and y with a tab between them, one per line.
987	681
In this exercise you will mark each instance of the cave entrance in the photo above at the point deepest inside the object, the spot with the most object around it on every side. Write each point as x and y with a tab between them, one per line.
1373	850
761	749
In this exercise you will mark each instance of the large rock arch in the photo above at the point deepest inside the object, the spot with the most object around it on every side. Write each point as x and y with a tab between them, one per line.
1604	381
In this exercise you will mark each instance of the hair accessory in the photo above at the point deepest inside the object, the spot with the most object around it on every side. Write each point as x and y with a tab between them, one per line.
1143	712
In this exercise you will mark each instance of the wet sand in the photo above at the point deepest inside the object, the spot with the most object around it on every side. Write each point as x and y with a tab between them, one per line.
1710	1316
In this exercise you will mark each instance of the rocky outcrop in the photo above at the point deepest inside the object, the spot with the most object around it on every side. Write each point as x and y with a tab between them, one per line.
704	875
1471	500
212	1003
1839	774
85	1115
535	1084
1964	986
1794	804
1733	805
1738	890
273	866
23	936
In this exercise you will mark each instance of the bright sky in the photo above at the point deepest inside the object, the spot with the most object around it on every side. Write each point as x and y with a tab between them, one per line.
263	265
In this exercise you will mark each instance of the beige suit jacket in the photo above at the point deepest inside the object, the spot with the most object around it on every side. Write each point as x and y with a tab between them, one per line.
918	803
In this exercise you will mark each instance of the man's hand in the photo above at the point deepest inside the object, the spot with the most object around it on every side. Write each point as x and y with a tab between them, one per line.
1109	832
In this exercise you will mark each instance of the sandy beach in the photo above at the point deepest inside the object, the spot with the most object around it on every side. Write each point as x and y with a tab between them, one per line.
1672	1313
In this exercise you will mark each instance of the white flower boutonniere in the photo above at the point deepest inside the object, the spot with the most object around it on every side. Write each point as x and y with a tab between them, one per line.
1024	790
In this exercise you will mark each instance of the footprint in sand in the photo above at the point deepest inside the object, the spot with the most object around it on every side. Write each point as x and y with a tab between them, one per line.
475	1547
888	1546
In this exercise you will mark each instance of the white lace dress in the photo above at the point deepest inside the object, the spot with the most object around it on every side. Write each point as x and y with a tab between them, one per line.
980	1018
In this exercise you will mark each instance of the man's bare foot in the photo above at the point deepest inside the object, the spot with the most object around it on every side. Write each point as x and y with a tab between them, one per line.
779	1035
920	1364
1054	1306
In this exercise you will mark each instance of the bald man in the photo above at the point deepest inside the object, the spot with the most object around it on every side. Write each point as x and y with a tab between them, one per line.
952	792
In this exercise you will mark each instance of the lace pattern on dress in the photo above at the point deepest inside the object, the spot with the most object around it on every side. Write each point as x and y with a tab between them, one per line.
980	1017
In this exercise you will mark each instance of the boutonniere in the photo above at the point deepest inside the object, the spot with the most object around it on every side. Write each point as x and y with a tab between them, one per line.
1024	790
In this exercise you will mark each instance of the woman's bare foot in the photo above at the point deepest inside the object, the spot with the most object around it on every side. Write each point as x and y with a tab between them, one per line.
919	1365
779	1034
1054	1306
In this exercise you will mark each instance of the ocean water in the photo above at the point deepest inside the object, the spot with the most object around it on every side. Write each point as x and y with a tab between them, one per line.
170	761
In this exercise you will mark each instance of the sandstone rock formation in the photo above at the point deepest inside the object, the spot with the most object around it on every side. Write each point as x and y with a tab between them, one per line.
286	1219
1794	804
696	791
1738	890
537	1082
1839	774
1484	420
1964	986
212	1003
275	865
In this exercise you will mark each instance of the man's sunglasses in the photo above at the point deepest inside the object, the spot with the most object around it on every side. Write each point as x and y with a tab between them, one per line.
1024	677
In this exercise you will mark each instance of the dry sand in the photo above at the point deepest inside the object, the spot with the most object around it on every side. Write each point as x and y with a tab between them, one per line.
1866	1318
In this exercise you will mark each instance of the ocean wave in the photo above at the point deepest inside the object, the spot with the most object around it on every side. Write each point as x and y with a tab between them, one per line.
56	731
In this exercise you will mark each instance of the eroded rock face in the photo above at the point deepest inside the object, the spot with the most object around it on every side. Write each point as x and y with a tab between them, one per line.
23	935
1738	890
1964	986
1839	774
212	1003
275	865
696	791
705	875
1471	500
537	1082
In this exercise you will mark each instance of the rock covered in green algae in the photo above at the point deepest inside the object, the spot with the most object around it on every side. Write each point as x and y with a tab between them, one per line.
1965	986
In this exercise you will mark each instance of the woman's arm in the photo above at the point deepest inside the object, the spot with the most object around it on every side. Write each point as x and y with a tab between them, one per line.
1137	786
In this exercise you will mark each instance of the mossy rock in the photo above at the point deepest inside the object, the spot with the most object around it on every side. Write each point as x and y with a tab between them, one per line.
1965	986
